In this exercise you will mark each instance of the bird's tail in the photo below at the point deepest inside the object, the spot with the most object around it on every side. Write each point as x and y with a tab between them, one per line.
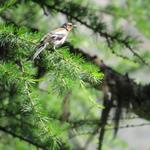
39	48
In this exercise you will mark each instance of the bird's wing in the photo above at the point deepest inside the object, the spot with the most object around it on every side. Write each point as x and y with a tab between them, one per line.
57	37
58	34
52	37
44	40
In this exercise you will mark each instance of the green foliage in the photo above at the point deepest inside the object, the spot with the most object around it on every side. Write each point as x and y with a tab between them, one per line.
138	12
51	101
6	4
64	72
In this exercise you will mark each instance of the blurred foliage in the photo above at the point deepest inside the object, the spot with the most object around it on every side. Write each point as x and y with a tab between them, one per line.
51	102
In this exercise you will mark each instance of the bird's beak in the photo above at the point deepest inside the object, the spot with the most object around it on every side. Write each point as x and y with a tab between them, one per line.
75	26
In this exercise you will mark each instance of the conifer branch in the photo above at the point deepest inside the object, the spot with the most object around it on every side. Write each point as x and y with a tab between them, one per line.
31	101
38	145
120	84
110	38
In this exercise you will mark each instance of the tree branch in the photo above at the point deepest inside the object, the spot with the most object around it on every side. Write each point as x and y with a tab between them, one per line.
122	88
3	129
110	38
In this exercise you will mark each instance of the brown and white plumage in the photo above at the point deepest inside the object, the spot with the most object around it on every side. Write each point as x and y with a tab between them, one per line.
54	38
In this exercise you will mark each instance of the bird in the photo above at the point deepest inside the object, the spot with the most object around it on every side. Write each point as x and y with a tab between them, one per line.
54	38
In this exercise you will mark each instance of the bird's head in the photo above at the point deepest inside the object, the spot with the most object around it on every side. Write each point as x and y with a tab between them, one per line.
68	26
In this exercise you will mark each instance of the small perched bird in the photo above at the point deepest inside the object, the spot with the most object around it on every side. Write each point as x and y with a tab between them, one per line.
54	38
